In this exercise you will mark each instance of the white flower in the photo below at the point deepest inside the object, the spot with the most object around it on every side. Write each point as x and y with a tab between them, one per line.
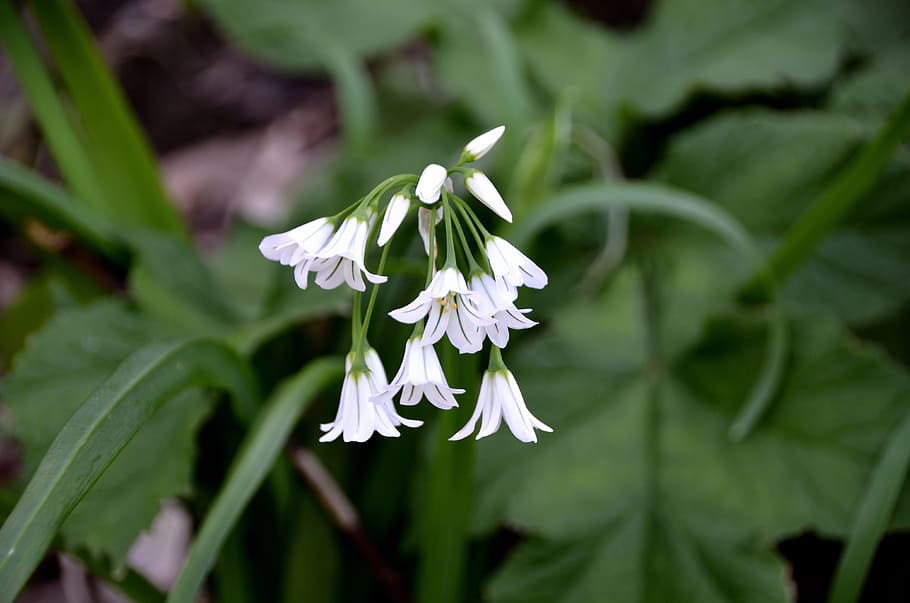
341	259
494	297
395	212
430	184
449	309
482	188
512	265
421	375
479	147
500	397
297	244
423	225
358	417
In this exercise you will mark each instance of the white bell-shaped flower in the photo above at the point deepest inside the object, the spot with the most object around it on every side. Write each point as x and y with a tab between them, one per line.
449	309
421	376
297	244
482	188
341	260
481	145
358	416
512	265
395	212
430	184
500	398
496	298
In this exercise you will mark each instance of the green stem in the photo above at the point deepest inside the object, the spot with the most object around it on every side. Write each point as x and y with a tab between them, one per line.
834	203
450	239
372	302
462	208
431	252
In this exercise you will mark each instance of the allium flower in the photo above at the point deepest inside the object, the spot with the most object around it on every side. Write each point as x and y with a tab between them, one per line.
341	259
500	397
482	188
358	416
423	225
421	375
430	184
447	304
512	265
494	297
395	212
479	147
297	244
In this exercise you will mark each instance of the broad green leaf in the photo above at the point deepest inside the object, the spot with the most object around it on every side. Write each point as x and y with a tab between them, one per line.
766	167
61	365
124	163
92	438
684	47
640	491
257	455
287	33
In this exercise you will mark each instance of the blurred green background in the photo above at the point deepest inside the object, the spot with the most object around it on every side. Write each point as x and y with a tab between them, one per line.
719	436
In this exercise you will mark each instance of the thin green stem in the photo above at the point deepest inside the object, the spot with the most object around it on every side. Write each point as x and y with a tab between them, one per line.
356	325
496	362
431	252
450	238
462	205
472	263
372	302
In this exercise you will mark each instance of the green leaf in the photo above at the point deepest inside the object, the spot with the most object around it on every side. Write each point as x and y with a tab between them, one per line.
48	109
765	167
684	47
27	195
62	364
260	450
873	516
124	163
645	497
286	33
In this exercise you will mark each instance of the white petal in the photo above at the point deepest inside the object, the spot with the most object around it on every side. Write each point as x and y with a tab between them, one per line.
414	311
481	145
482	188
330	272
395	212
423	227
483	402
430	184
437	321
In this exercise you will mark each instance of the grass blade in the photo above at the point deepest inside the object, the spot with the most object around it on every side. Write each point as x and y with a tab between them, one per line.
126	163
604	196
49	112
96	433
260	449
835	201
25	194
873	516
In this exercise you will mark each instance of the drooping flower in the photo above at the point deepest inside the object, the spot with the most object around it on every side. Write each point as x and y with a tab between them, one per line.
481	145
500	398
341	260
395	212
496	298
512	265
429	186
358	416
485	191
421	375
297	244
447	304
423	225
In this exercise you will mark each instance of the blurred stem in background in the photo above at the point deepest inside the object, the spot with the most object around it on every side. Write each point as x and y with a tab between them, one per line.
444	511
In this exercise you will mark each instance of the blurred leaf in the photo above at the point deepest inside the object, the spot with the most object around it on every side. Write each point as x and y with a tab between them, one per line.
287	33
765	167
61	365
873	93
685	46
257	455
639	495
124	162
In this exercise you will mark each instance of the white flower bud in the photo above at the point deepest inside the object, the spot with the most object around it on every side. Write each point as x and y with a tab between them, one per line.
481	145
482	188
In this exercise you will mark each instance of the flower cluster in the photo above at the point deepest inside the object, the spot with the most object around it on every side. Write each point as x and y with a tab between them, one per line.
468	299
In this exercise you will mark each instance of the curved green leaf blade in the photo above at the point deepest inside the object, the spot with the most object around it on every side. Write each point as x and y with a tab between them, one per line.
97	432
578	200
873	516
260	449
